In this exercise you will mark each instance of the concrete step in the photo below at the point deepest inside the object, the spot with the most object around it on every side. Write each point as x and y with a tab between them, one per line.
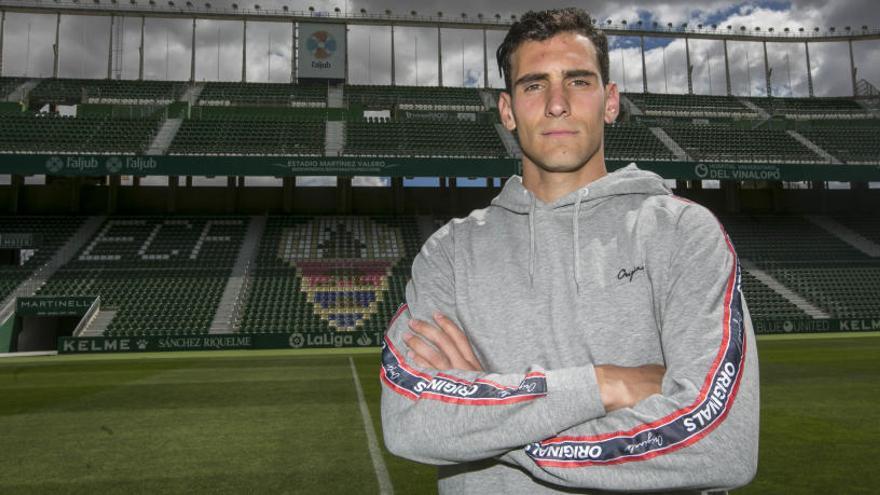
99	324
335	96
670	143
334	138
489	99
164	137
21	92
783	291
846	234
629	106
509	141
813	147
760	111
228	315
192	93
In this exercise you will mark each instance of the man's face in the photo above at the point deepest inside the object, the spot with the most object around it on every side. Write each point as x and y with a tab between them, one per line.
559	103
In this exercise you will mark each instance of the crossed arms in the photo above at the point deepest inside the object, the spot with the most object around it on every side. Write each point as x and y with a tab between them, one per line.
603	427
444	346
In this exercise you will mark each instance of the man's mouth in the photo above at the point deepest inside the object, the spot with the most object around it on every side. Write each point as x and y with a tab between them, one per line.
558	133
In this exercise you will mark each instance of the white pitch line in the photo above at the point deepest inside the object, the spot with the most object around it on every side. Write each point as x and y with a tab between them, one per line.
385	487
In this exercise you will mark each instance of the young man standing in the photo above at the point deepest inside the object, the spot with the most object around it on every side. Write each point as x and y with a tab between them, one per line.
586	330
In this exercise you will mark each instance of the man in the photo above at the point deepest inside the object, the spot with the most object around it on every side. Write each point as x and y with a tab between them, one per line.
586	330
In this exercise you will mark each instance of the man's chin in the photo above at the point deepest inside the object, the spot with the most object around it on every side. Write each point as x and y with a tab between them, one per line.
561	165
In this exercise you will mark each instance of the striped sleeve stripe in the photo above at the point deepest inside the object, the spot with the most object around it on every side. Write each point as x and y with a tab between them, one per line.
682	427
413	384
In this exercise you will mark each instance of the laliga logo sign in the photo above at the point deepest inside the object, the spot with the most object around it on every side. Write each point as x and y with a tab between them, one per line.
296	340
701	170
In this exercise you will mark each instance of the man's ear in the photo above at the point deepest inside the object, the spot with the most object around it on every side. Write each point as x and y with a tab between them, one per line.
612	102
505	110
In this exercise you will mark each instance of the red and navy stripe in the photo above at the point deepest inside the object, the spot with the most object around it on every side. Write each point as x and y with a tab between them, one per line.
679	429
408	381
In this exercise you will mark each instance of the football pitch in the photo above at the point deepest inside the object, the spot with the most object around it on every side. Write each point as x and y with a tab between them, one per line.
308	422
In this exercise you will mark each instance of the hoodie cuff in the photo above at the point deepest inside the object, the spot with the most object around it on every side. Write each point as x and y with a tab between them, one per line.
573	395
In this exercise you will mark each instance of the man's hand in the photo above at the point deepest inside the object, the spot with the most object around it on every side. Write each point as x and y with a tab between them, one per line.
442	346
622	387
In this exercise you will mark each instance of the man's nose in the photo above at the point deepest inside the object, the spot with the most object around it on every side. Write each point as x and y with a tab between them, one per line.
557	102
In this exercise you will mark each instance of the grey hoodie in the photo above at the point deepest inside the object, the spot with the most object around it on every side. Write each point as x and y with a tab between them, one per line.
618	272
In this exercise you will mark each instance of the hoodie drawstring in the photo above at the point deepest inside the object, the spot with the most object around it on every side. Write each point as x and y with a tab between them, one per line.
574	226
532	243
575	244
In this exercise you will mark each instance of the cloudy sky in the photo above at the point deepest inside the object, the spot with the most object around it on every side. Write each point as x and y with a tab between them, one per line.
28	39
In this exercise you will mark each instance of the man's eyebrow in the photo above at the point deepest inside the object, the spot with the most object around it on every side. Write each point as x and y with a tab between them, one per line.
580	73
543	76
532	77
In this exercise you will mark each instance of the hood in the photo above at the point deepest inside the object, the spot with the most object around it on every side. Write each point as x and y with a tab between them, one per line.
628	180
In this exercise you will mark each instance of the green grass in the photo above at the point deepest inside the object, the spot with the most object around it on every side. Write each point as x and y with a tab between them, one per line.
288	422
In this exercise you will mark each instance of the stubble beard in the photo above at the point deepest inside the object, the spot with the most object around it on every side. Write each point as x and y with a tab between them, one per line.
563	164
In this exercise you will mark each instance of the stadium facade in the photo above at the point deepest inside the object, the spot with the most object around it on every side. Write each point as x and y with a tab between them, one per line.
95	256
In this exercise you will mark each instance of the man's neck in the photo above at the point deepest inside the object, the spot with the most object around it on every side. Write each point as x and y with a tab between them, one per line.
550	186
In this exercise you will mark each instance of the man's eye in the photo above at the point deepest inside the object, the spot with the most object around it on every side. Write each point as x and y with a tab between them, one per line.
532	87
581	82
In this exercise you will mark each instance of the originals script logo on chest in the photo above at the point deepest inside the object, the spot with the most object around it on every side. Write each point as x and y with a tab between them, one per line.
628	274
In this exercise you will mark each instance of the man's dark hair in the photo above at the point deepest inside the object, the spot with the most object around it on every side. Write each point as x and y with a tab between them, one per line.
540	26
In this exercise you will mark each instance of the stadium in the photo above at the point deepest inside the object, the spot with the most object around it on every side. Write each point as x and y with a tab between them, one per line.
209	212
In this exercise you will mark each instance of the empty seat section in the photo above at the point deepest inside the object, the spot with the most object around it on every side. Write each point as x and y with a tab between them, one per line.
51	233
835	107
633	141
689	105
73	91
274	94
813	263
855	141
724	142
51	133
414	97
449	138
162	275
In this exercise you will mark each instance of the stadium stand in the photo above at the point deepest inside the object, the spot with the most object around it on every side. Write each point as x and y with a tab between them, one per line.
50	133
633	141
162	275
317	274
248	136
764	302
345	284
829	273
53	232
273	94
720	141
785	238
8	85
843	289
73	91
414	97
674	105
854	141
451	138
829	108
